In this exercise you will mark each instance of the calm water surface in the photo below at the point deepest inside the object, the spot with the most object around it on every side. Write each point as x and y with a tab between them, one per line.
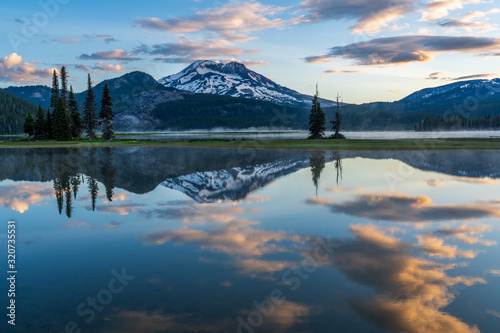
190	240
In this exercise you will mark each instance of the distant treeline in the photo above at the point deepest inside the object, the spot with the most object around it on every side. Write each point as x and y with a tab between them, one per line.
458	122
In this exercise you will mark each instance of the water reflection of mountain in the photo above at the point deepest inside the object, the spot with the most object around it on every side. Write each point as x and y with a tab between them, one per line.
208	175
235	183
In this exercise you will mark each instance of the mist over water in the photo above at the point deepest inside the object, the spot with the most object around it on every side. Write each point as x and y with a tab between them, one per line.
261	134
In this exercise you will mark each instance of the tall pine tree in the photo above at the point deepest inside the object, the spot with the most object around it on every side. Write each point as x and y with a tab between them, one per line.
316	119
76	117
48	126
29	124
89	112
40	124
106	114
64	87
337	120
61	129
54	95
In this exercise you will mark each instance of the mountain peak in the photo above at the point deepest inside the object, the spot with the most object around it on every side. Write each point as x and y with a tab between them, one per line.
236	80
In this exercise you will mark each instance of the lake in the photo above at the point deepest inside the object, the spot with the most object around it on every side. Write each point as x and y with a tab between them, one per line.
214	240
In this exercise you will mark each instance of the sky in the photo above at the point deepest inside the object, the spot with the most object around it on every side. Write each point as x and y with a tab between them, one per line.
365	50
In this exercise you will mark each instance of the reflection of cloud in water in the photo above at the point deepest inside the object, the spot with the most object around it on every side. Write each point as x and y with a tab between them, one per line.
152	322
191	213
464	232
493	313
435	247
410	291
448	181
402	208
253	266
120	209
20	196
289	313
235	237
494	272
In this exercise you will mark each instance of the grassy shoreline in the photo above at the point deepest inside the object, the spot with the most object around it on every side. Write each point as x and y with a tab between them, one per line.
296	144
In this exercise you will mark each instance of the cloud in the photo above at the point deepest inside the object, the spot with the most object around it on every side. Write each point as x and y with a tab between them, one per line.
410	292
120	209
117	54
233	21
247	63
435	248
108	67
14	69
442	76
65	40
318	59
253	266
107	38
20	196
401	208
474	76
341	71
438	9
187	50
371	15
464	233
493	313
405	49
494	272
233	238
435	76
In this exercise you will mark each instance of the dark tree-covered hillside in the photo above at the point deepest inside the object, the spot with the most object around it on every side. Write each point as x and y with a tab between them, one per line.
13	112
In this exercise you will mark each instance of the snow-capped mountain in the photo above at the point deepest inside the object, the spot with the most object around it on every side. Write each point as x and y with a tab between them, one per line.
232	184
484	89
236	80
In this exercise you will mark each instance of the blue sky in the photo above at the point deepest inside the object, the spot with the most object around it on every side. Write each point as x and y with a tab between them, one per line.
366	50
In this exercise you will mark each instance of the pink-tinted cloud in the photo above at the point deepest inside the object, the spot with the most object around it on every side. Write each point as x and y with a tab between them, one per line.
371	15
117	54
14	69
406	49
233	21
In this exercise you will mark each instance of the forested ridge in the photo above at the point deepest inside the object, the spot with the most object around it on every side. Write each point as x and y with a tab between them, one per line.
13	111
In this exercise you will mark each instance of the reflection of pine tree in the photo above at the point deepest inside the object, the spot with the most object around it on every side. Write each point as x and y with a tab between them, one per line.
338	165
317	163
75	183
69	205
93	190
59	189
108	172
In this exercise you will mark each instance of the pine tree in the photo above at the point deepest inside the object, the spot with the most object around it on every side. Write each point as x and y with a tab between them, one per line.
76	117
54	96
29	124
48	126
337	120
89	112
64	87
40	124
61	129
316	119
106	114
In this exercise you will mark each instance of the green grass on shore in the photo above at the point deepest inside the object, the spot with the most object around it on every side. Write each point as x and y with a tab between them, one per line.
300	144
